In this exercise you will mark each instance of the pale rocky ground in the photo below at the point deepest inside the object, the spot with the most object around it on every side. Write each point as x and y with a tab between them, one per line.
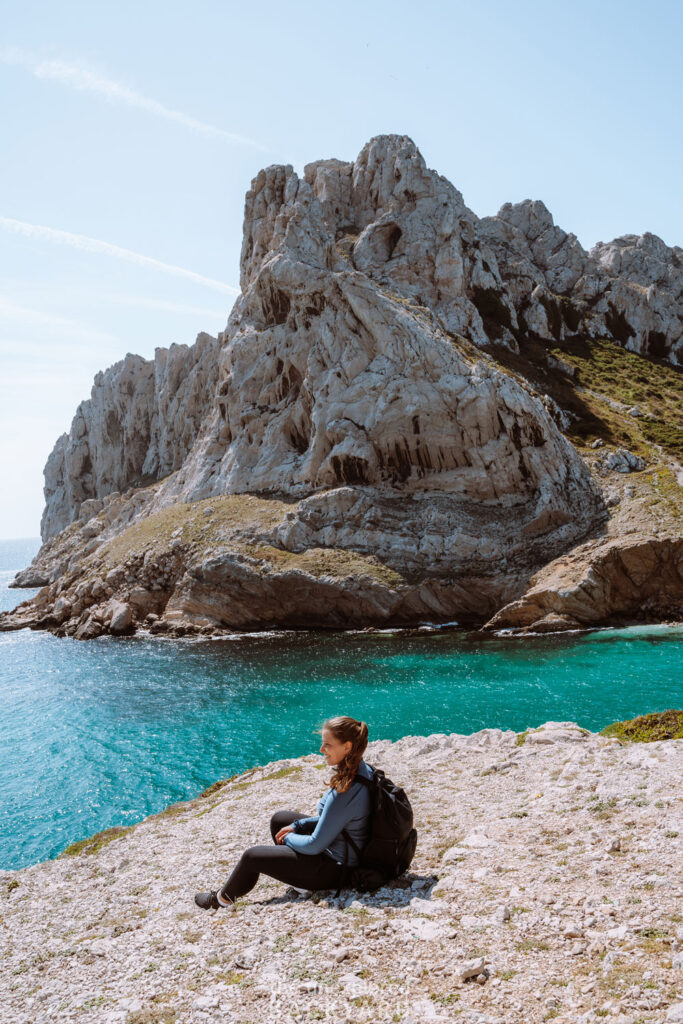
553	868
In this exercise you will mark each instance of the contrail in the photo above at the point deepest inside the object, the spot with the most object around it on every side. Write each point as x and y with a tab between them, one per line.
11	313
85	81
86	244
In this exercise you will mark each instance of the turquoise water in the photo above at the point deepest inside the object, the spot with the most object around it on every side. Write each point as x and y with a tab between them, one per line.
105	732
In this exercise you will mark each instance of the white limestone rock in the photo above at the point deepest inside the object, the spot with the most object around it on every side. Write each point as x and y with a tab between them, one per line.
325	258
126	911
138	425
349	381
624	461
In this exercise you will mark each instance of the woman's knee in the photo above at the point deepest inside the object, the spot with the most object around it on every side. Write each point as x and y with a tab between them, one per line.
275	823
249	855
279	820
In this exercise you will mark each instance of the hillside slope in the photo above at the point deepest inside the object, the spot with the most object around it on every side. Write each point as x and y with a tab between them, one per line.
548	869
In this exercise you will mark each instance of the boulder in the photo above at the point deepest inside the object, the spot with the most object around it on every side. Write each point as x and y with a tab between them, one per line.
121	617
624	461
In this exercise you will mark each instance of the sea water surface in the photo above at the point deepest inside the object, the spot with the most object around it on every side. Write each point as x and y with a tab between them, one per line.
107	731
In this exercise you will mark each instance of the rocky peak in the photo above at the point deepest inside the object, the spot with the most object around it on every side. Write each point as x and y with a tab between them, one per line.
644	259
353	393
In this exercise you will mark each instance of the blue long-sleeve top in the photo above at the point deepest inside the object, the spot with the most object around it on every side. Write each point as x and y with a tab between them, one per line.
349	810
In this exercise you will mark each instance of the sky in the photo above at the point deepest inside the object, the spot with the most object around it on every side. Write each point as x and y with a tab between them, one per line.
131	132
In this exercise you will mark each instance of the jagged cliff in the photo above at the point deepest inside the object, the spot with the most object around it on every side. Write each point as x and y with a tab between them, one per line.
358	445
138	425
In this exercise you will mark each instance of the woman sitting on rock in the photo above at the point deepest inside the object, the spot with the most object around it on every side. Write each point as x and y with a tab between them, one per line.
310	853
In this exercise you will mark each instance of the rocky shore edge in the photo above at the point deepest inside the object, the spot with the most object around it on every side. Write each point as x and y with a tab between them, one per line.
547	885
213	567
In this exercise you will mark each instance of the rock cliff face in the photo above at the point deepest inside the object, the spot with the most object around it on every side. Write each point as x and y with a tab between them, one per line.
352	393
138	425
629	290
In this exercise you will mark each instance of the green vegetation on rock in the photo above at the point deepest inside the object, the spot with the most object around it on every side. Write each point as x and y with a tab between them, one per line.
607	381
659	725
282	773
200	524
320	562
656	388
93	844
228	523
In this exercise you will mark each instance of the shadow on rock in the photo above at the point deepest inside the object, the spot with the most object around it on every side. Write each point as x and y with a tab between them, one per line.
398	893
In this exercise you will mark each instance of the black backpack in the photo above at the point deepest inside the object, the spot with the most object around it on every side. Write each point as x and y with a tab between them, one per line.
392	839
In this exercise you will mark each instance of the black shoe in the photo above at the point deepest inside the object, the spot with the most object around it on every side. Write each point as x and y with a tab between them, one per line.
207	900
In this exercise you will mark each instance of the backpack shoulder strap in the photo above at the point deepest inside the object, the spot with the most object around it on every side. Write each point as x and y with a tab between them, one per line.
354	845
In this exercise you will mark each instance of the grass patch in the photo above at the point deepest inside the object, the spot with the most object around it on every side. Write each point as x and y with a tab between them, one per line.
445	1000
320	562
599	807
93	844
283	773
214	787
220	783
527	945
231	977
218	524
666	494
656	388
95	1001
653	943
196	525
659	725
172	810
607	370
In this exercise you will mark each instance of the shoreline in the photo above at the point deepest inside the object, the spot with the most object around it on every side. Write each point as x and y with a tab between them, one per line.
551	625
284	764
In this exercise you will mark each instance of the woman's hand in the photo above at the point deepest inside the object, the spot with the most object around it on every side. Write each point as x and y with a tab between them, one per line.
280	837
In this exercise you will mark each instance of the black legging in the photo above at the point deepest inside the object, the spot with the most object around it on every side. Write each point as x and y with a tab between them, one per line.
306	871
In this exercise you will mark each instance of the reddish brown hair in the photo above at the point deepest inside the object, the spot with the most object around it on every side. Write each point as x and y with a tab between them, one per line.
345	729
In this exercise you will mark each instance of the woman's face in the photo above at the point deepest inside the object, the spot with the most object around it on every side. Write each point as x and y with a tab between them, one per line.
333	750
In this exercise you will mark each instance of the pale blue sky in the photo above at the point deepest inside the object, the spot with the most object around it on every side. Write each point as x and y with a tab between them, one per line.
140	126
